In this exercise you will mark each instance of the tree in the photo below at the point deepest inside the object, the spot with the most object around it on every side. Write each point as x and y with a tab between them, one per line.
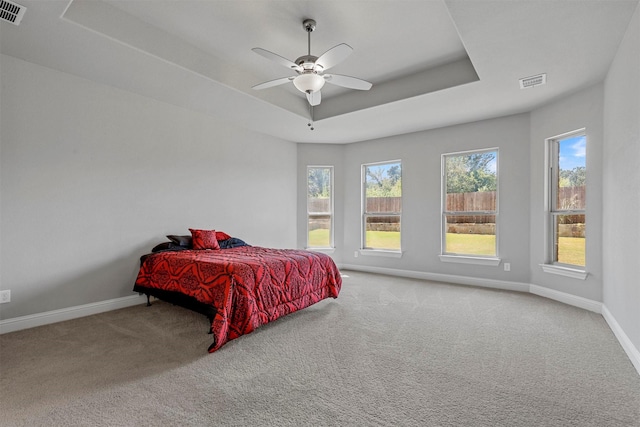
384	180
575	177
471	173
319	182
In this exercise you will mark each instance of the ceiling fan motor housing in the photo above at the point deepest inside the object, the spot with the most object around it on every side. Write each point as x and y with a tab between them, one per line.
308	63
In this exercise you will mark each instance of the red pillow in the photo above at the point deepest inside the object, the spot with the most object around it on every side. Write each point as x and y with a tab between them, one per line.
221	235
204	239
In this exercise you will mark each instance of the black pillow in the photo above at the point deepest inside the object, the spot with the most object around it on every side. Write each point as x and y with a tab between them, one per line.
233	242
167	246
184	241
162	246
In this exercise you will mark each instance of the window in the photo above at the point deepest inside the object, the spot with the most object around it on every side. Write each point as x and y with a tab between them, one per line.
567	199
319	206
382	205
470	203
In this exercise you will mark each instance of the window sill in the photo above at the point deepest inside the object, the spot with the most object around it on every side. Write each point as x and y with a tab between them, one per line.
323	250
381	252
564	271
493	262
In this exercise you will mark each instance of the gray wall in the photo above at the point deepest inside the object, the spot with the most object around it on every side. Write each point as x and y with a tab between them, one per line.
92	177
621	256
521	143
581	110
520	140
420	154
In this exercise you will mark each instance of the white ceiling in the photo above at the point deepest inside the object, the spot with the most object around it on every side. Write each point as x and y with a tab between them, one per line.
433	63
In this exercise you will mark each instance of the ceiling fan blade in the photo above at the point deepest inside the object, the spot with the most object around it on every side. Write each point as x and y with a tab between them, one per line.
334	56
272	83
277	58
314	98
347	81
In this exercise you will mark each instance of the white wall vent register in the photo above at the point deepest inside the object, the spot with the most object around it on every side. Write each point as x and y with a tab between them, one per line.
11	12
532	81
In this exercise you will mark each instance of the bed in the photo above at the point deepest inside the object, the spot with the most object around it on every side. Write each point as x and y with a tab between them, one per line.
239	287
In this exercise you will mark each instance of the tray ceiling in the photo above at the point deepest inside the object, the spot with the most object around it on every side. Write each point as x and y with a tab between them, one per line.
432	63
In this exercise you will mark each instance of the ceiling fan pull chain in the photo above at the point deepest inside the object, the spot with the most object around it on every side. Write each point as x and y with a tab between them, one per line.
310	124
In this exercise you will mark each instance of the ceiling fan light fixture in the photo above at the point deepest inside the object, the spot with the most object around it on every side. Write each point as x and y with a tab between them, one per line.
308	82
311	68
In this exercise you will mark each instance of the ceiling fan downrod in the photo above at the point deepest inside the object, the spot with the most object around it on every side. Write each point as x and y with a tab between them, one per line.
309	25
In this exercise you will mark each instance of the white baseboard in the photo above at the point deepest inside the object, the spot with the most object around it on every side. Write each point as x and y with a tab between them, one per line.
565	298
48	317
437	277
623	339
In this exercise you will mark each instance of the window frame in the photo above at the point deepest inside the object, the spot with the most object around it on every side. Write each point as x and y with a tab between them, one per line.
364	249
331	208
552	166
465	258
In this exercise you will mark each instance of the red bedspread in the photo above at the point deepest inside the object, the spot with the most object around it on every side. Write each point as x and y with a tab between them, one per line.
249	286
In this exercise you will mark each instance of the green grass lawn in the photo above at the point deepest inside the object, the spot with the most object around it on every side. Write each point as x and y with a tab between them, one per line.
375	239
571	249
383	240
319	238
471	244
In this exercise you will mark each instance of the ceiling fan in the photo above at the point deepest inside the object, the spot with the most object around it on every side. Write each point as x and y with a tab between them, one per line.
311	69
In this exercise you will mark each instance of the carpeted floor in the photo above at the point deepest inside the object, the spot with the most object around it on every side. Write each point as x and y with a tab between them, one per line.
387	352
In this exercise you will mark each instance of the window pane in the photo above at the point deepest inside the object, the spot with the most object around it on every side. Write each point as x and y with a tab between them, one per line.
319	231
319	190
568	191
383	205
569	243
471	183
383	184
382	232
472	234
319	209
571	173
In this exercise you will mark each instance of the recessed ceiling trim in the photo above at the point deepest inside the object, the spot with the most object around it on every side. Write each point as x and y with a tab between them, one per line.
103	19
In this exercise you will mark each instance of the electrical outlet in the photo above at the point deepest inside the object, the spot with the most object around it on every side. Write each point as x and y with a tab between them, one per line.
5	296
507	266
355	254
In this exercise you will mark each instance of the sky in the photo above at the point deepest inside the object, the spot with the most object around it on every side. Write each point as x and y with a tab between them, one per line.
493	165
573	152
384	168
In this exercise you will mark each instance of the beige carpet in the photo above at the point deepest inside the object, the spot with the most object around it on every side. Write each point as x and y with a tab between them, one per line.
387	352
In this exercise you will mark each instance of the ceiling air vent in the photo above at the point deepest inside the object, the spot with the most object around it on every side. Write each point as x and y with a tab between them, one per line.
11	12
532	81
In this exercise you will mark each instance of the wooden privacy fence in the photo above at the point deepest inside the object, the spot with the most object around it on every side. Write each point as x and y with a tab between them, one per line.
568	198
319	205
384	204
572	197
471	202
